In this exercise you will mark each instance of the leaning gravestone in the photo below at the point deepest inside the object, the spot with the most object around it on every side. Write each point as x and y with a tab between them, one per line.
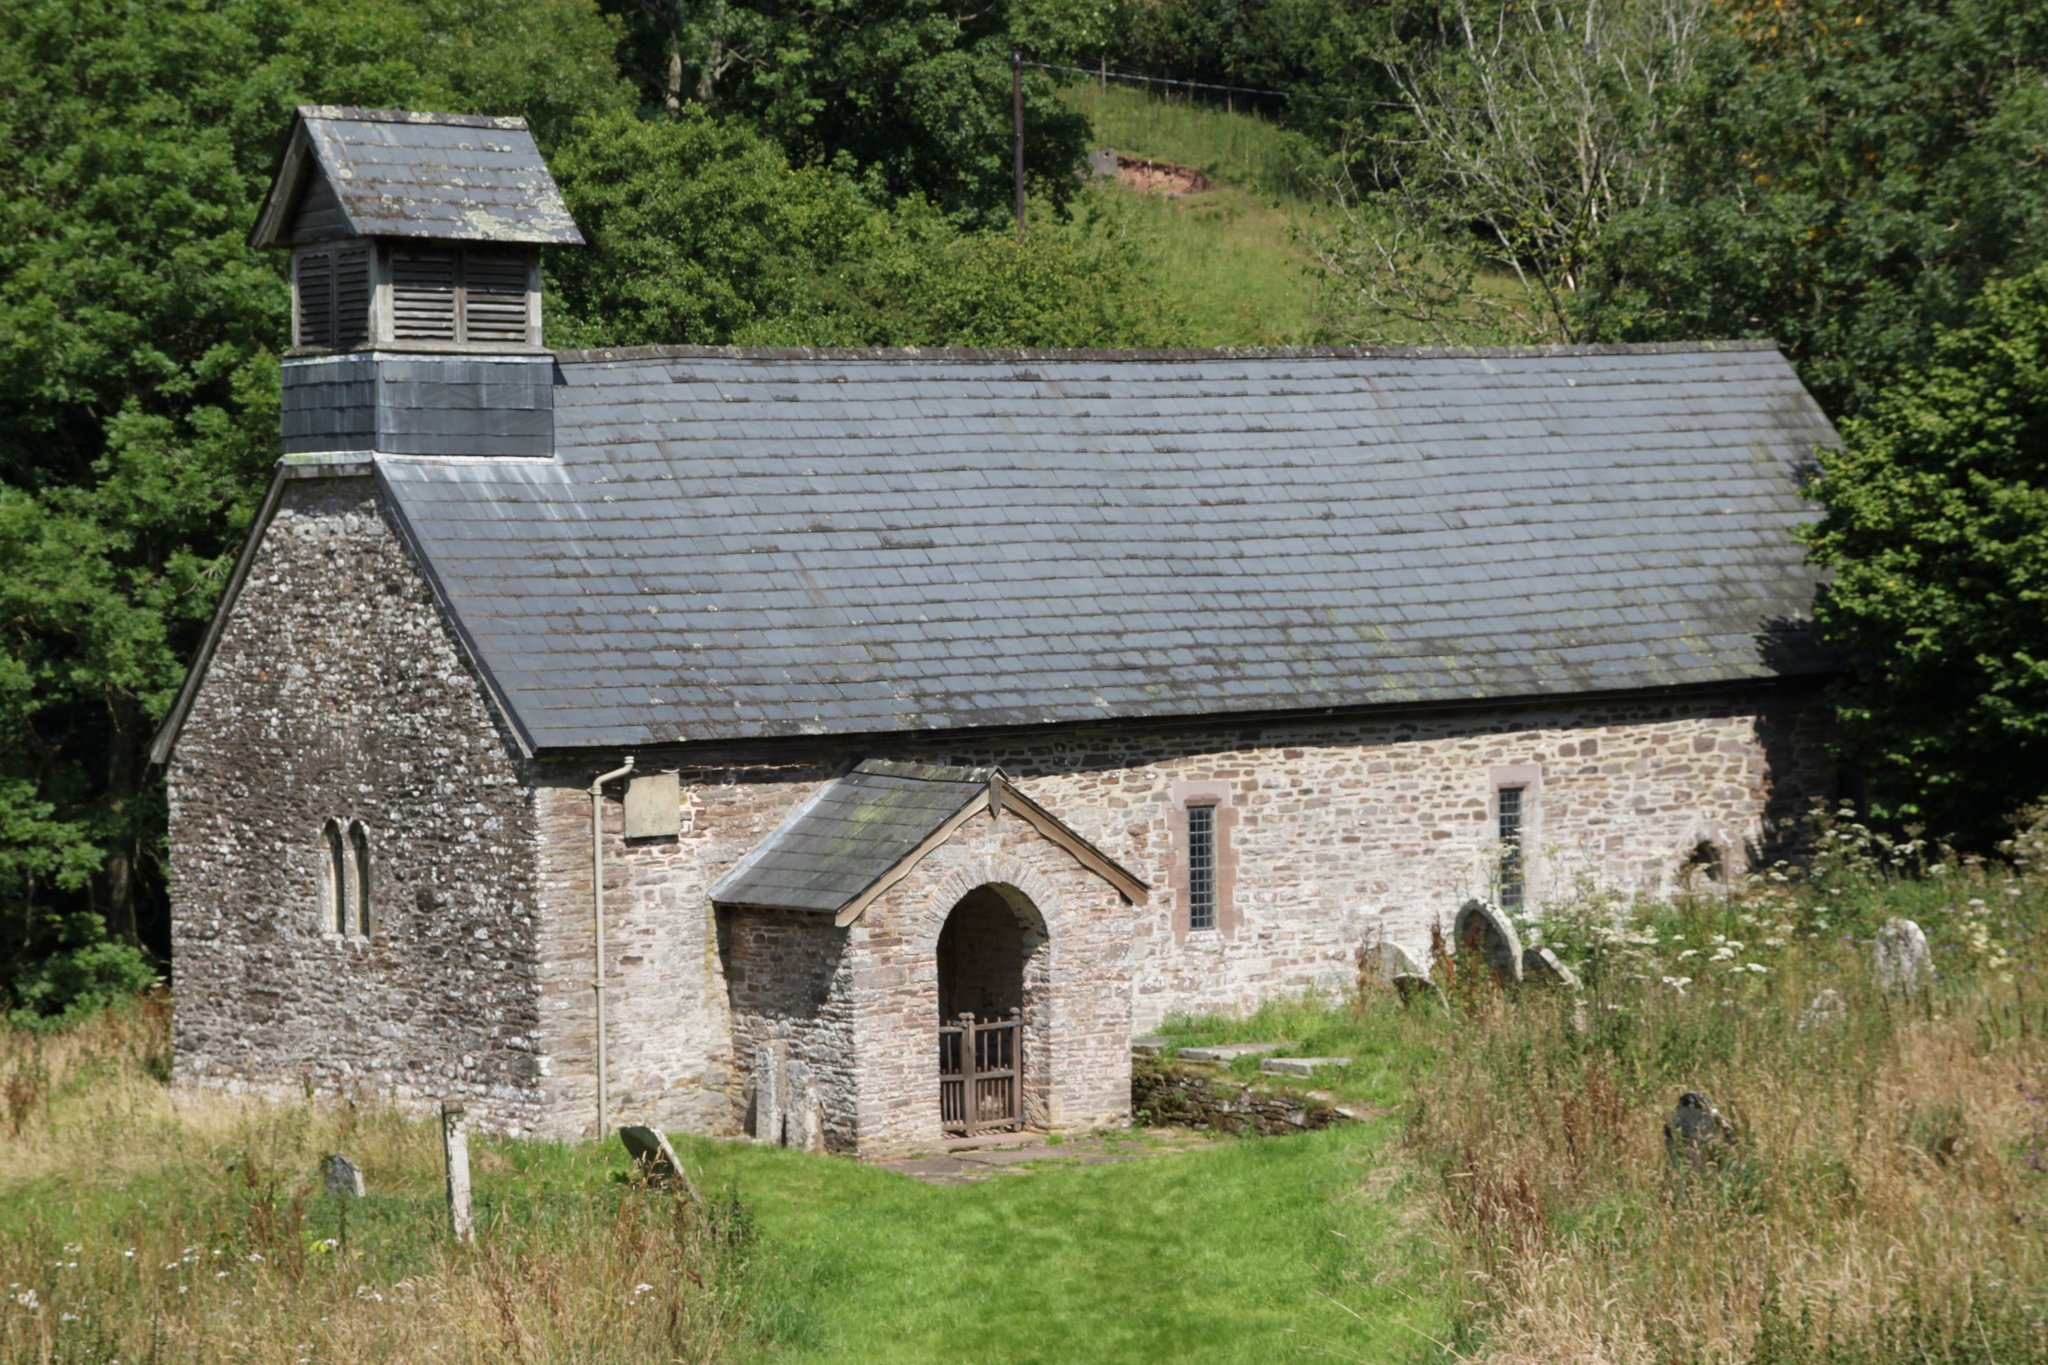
342	1177
1543	967
1696	1135
1396	962
1824	1009
653	1157
1413	986
1900	956
1484	931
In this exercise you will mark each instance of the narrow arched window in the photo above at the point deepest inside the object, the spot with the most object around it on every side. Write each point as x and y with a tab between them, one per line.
333	880
359	878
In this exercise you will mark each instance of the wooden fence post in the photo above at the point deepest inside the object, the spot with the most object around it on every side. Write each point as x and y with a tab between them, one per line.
455	1145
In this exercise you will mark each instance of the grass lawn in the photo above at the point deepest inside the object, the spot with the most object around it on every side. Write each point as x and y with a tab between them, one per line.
194	1230
1248	1251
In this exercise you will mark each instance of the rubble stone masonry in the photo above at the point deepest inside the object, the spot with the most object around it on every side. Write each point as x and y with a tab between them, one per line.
336	692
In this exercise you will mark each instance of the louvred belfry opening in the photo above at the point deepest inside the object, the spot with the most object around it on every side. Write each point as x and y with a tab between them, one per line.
423	294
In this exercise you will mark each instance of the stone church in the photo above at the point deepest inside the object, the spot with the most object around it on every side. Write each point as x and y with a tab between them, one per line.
860	747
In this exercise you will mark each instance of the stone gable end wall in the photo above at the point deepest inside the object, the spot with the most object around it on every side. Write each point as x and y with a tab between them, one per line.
337	691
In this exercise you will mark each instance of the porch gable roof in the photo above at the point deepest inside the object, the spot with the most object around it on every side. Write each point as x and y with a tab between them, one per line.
861	833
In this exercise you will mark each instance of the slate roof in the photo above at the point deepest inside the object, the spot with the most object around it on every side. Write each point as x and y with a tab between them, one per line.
746	544
841	841
403	174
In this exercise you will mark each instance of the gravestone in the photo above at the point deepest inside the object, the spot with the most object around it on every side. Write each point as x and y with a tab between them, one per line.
1393	961
1824	1009
1230	1052
1900	956
803	1121
342	1177
770	1067
1481	929
455	1160
1299	1066
1543	967
1413	986
1102	163
1696	1135
654	1159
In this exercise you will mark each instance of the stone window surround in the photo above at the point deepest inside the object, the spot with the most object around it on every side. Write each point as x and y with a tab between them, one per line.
1528	777
1217	796
346	888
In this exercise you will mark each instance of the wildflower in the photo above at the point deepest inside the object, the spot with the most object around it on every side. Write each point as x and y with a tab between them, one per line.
1774	943
1759	968
27	1299
67	1317
1678	983
129	1254
220	1274
1689	952
640	1289
255	1256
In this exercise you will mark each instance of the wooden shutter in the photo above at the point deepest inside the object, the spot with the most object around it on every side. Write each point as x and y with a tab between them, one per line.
351	297
315	286
423	283
494	296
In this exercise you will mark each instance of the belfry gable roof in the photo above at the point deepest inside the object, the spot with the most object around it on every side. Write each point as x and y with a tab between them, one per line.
397	173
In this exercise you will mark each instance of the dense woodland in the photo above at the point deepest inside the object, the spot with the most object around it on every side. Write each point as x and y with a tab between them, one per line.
1863	182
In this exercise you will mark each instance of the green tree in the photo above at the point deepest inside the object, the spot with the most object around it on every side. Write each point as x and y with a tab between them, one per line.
902	97
700	232
138	376
1841	176
1474	212
1936	532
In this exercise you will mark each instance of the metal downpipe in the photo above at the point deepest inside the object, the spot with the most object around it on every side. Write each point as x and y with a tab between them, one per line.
597	945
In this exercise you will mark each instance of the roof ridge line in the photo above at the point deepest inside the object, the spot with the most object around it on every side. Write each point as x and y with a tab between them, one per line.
609	354
357	114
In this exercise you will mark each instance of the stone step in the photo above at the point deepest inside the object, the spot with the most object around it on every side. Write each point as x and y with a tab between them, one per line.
1229	1052
1300	1066
1150	1047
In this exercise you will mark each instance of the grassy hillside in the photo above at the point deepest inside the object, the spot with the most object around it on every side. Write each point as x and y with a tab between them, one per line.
1230	256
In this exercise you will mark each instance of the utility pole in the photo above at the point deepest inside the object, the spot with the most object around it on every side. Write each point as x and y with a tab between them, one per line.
1017	132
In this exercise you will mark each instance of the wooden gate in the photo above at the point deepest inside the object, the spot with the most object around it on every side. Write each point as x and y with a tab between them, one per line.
981	1075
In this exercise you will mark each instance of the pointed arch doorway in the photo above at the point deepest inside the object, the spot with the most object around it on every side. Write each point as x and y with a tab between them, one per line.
992	972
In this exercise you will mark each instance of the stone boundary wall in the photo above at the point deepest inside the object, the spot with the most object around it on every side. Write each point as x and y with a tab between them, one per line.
338	693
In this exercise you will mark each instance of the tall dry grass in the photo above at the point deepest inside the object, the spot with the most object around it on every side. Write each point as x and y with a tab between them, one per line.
136	1226
1887	1195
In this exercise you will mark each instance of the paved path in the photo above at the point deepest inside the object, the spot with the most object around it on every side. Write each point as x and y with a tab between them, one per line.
1023	1153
